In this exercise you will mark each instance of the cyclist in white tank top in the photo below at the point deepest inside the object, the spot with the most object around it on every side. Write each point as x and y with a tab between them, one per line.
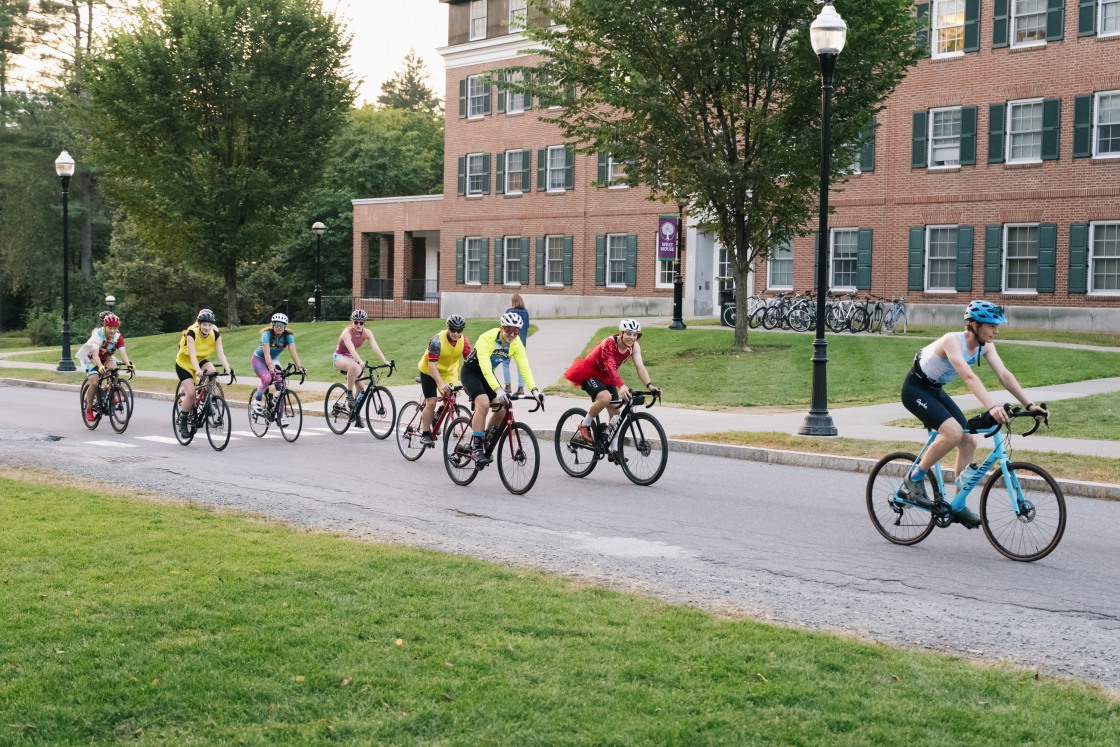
940	370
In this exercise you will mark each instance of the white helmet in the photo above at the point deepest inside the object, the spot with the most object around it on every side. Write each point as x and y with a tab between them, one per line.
278	317
509	319
630	325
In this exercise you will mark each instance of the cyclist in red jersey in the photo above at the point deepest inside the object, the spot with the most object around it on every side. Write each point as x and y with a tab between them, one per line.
597	374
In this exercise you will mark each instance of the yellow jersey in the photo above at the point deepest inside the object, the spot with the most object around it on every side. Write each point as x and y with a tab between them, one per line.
204	347
448	356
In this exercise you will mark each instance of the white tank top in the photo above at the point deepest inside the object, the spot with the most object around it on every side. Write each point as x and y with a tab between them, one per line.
940	370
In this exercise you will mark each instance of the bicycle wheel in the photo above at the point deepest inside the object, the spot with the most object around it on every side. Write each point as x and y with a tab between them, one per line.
96	410
460	412
175	410
408	431
729	316
127	389
898	522
643	450
259	421
291	409
336	408
1033	532
381	412
118	408
876	320
519	459
576	456
799	319
457	452
756	317
772	318
218	423
888	323
860	319
835	320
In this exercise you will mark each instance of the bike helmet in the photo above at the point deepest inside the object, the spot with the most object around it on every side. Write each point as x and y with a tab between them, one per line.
509	319
359	316
456	323
102	315
111	320
206	315
985	312
630	325
278	317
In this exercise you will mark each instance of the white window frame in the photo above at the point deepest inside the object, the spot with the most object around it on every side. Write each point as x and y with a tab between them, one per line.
476	242
929	258
517	77
1096	123
554	253
474	158
516	25
476	4
832	262
1010	135
1100	19
549	168
1017	291
471	96
1013	21
770	284
611	181
506	260
510	172
664	269
1092	273
934	29
611	236
723	264
929	154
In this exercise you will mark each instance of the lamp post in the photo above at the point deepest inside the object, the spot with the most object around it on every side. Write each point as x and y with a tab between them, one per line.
678	281
110	301
64	167
318	228
827	33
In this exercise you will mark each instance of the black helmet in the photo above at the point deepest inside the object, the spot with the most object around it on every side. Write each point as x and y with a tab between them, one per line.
206	315
456	323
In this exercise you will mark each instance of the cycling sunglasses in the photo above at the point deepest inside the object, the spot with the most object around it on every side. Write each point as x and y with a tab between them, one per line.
358	323
281	325
512	331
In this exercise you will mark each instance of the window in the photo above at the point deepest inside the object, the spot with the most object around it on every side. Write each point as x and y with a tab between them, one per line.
554	260
616	259
1028	22
948	28
513	260
478	19
945	138
556	160
1107	139
665	274
1104	258
1110	17
1021	259
780	268
515	102
616	172
514	175
517	15
845	243
474	259
726	281
941	258
1024	129
477	93
563	3
475	174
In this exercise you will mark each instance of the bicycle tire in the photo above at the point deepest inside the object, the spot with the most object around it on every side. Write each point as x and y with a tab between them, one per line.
82	407
888	323
994	520
260	421
293	408
128	390
860	320
729	316
641	445
799	319
176	408
772	318
219	423
915	523
571	447
408	431
118	408
516	450
460	412
835	320
336	409
459	465
876	319
380	403
756	317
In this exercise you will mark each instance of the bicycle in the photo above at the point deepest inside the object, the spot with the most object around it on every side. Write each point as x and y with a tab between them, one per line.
878	312
578	457
515	442
113	398
896	312
847	314
1024	522
408	424
210	411
380	407
284	406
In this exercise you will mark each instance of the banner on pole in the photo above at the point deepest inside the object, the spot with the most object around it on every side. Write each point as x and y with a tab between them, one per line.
667	237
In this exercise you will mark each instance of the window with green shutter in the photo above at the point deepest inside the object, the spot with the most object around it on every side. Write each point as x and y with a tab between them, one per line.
484	261
993	259
1086	17
1047	256
1083	126
566	272
524	269
1051	129
460	262
915	266
526	170
1055	20
863	260
921	36
631	260
968	135
542	169
1079	258
1000	21
602	175
501	93
996	126
867	152
499	260
600	260
461	189
500	174
972	26
569	167
463	98
540	260
485	173
918	140
964	258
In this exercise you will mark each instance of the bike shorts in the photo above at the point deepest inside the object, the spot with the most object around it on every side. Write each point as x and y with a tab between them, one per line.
594	386
184	374
931	405
428	384
474	383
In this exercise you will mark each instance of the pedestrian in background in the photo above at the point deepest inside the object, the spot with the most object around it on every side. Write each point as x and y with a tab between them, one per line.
517	307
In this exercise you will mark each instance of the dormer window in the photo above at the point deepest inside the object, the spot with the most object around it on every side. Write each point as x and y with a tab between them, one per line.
478	19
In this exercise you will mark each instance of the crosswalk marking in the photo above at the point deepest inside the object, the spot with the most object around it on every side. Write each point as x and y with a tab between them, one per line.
115	444
250	434
157	439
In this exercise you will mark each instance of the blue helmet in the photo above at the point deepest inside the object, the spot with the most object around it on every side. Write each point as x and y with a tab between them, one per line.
985	312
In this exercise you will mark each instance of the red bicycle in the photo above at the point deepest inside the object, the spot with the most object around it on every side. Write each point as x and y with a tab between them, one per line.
408	423
519	458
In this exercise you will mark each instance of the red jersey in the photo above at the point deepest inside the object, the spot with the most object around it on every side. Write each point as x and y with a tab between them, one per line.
602	364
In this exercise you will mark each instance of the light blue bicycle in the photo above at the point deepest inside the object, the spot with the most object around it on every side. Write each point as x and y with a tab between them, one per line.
1022	508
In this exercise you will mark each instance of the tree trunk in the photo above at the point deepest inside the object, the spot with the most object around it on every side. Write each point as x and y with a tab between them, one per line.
87	224
232	320
740	270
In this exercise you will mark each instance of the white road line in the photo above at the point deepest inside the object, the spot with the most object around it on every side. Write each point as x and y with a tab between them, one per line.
116	444
324	430
250	434
157	439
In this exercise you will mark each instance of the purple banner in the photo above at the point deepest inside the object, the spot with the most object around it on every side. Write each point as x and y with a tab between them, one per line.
667	237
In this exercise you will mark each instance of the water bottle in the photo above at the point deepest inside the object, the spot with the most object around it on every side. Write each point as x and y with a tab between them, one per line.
613	425
966	475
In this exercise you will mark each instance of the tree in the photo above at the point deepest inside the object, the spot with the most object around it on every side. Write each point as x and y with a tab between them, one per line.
716	103
14	32
212	118
408	88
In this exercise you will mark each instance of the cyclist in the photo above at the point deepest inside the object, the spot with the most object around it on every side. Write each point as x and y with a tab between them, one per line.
274	338
97	355
346	358
201	341
937	364
490	349
439	369
597	374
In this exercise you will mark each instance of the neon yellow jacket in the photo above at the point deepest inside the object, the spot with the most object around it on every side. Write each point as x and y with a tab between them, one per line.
489	353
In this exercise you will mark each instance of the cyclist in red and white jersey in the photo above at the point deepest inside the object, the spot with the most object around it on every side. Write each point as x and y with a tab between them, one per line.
97	355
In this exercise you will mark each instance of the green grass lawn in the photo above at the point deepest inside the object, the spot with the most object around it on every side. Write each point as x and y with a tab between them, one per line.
142	622
14	341
701	368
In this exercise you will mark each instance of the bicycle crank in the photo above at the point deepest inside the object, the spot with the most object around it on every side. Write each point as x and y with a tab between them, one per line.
942	513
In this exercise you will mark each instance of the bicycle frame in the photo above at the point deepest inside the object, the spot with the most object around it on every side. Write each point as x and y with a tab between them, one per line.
507	429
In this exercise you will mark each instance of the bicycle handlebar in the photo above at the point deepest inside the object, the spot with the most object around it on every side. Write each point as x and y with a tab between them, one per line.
291	370
1018	412
540	402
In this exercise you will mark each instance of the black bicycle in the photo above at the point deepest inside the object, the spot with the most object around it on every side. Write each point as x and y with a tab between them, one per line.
380	407
284	409
643	449
210	412
113	398
519	458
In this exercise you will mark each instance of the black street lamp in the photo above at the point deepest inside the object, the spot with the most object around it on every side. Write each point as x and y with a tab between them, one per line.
827	33
318	228
678	280
64	167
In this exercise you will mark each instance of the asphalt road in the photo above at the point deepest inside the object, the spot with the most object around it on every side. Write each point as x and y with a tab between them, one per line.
778	543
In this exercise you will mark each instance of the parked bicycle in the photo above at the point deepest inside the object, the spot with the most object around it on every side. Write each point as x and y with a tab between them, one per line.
114	398
210	412
849	313
1022	508
284	409
895	315
519	458
408	424
876	312
643	449
377	401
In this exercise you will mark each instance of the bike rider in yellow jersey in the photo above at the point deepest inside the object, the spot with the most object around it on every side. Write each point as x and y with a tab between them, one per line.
201	341
490	349
439	369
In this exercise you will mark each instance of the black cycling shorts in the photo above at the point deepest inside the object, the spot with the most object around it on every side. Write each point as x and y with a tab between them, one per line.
428	384
474	383
931	405
184	374
594	386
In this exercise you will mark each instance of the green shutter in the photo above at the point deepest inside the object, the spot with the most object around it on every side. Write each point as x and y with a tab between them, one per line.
540	260
1083	126
995	132
968	135
918	147
500	174
1051	129
867	152
524	279
600	260
863	260
915	270
463	98
499	260
566	269
460	262
485	173
993	259
1055	20
462	188
486	97
972	25
569	167
631	260
1047	256
601	181
1079	258
542	169
999	24
964	258
484	261
526	170
921	37
501	93
1086	20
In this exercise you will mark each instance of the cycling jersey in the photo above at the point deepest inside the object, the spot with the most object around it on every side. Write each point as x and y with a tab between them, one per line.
99	348
275	343
602	364
489	352
204	347
937	371
447	356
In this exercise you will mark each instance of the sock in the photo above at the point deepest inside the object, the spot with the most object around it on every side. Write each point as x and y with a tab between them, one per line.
588	420
260	391
614	444
917	474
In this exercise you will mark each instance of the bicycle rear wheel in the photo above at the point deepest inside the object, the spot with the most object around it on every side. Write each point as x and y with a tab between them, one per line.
860	319
175	410
643	449
381	412
898	522
519	459
756	317
96	410
772	318
577	457
457	452
799	319
290	408
1037	528
835	320
408	431
876	319
336	408
218	423
118	408
729	316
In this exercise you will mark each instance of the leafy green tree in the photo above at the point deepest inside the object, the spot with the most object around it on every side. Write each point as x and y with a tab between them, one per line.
716	103
212	118
408	88
14	33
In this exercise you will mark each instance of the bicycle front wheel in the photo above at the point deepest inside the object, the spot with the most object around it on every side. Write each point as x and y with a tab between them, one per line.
96	410
259	421
119	410
577	457
772	318
290	409
218	423
756	317
1023	512
381	412
519	459
898	522
336	408
408	431
835	320
457	452
643	449
876	320
729	316
860	320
